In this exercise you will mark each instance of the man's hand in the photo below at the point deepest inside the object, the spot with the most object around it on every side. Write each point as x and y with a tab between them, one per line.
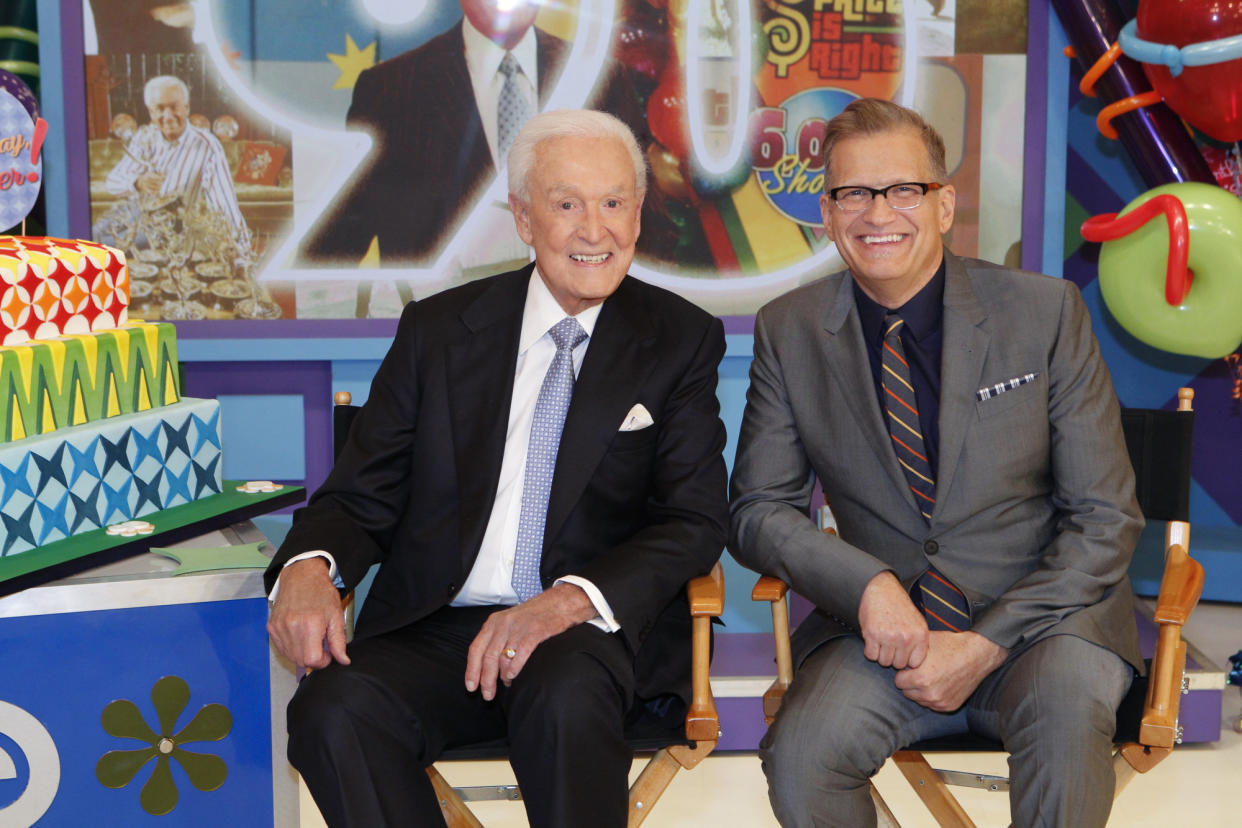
955	664
150	182
522	629
894	631
307	625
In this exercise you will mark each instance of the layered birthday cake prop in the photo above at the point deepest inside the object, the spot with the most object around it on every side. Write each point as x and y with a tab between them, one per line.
50	287
93	428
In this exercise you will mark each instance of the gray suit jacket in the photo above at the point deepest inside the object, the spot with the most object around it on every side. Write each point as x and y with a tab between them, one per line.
1035	517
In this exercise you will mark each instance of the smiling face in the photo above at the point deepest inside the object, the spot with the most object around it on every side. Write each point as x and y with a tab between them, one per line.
169	111
891	253
582	218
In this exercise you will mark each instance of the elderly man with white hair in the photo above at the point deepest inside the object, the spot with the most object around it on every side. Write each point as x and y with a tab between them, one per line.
538	473
172	157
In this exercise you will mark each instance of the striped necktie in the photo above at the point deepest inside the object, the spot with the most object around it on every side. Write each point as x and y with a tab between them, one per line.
943	605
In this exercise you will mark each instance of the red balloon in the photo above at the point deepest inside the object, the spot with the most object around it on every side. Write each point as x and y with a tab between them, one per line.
666	113
1209	97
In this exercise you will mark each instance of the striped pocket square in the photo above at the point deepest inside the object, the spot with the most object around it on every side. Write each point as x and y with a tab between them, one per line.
1001	387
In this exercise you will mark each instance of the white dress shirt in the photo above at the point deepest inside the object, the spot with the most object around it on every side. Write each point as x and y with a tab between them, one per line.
483	59
193	166
489	581
493	238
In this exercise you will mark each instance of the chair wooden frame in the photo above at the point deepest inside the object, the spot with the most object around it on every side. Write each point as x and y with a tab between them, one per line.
1180	588
705	596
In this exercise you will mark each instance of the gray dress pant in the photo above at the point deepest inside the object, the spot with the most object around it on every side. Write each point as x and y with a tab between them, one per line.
1053	705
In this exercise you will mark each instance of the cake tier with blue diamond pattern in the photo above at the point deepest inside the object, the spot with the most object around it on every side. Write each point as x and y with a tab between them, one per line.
85	477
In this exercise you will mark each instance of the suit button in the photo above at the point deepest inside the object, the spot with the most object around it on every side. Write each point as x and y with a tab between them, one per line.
931	547
452	590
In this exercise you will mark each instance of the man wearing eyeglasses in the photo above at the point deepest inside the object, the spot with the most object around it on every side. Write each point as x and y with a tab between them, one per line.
966	434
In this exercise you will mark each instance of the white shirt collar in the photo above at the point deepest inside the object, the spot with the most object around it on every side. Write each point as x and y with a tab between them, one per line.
483	57
542	311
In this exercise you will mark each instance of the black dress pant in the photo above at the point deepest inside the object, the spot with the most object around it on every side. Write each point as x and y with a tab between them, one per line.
362	735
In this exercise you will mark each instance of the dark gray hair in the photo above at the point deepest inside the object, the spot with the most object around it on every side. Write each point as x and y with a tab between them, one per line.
869	116
569	123
161	82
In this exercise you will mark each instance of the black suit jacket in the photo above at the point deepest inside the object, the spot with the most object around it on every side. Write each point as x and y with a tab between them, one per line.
638	513
430	161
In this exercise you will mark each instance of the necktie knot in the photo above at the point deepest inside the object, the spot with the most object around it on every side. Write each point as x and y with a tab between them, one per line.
509	65
567	334
892	325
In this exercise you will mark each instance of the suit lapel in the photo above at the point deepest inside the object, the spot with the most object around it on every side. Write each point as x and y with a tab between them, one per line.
480	388
964	348
550	58
618	361
845	359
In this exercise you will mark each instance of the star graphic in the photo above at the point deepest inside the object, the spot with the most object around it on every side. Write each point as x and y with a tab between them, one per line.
103	293
207	431
14	305
118	501
86	509
149	490
83	461
54	517
18	528
32	277
75	295
116	452
147	445
51	468
178	438
205	477
14	480
178	486
352	63
32	246
46	301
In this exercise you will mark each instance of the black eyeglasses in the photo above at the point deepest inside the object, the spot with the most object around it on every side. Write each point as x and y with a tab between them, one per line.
854	198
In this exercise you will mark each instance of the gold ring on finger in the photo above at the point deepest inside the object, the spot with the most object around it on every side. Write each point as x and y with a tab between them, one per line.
509	652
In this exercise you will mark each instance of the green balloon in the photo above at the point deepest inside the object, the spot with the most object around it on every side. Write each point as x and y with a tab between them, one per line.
1208	323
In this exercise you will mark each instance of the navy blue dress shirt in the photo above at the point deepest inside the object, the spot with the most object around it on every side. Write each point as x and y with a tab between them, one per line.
921	337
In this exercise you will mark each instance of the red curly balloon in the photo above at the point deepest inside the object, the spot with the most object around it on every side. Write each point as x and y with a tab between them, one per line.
1109	227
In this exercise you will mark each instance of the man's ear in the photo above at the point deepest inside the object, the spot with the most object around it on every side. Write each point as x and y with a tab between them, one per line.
521	218
948	204
825	207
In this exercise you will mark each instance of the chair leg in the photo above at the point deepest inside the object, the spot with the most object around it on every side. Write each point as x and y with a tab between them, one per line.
883	815
456	814
931	789
657	775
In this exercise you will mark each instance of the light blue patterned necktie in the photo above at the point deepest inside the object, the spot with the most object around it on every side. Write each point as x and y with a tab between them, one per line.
545	440
513	109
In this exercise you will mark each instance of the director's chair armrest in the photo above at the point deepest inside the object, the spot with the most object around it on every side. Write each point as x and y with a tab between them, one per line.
706	597
1180	588
774	591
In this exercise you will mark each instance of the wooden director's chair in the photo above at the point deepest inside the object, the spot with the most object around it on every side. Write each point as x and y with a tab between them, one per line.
676	743
1159	444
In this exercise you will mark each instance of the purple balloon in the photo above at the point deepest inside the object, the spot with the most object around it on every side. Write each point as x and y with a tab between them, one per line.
16	87
1154	136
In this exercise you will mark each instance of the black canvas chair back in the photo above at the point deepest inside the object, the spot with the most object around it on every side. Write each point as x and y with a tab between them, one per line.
1159	443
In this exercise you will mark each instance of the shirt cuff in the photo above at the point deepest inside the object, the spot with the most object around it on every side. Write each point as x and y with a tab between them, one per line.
314	553
605	620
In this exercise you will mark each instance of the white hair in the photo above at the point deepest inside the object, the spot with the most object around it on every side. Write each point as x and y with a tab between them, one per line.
159	84
569	123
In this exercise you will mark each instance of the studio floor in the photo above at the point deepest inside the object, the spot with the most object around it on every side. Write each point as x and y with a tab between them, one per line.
1197	786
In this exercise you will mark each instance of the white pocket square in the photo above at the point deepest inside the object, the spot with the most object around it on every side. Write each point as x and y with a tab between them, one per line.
638	418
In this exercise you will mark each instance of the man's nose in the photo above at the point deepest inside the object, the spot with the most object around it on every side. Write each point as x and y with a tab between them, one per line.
592	228
879	210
